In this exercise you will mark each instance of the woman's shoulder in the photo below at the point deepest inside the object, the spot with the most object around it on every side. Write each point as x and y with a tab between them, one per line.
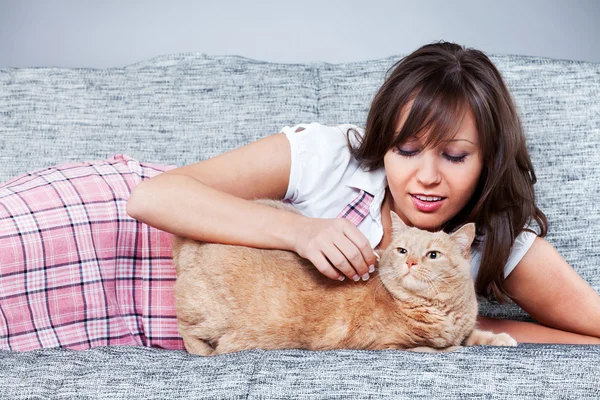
322	147
330	136
321	160
522	243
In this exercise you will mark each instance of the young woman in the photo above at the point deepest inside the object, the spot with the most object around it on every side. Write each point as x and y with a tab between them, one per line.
443	146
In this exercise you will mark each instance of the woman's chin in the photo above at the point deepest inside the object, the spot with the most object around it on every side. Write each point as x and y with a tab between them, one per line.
427	224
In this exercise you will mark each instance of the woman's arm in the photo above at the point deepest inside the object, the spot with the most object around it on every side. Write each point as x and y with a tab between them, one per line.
207	201
548	288
529	332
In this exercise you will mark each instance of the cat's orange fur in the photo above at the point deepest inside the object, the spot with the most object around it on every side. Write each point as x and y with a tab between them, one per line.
232	298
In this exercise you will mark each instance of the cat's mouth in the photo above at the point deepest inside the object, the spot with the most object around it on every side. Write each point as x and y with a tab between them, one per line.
415	275
408	274
409	281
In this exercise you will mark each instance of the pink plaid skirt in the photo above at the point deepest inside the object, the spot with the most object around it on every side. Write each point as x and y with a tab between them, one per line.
75	270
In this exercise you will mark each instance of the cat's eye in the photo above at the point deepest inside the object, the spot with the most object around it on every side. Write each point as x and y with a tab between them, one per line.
401	250
434	255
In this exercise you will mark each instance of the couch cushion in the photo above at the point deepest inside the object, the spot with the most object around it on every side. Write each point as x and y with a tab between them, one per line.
183	108
481	372
169	110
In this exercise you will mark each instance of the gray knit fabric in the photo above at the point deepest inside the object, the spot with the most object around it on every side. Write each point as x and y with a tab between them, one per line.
482	372
184	108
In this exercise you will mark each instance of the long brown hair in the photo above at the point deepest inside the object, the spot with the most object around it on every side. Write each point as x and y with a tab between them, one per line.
443	79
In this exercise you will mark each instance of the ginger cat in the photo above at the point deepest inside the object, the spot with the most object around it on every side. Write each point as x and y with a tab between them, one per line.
232	298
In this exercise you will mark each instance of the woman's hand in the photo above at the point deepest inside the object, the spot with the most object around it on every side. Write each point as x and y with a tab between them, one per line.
336	247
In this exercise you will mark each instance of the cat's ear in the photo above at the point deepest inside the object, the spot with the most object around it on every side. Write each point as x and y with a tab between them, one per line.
464	237
398	226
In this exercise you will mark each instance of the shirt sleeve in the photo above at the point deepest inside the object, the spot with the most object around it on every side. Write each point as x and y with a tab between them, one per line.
317	159
298	148
522	244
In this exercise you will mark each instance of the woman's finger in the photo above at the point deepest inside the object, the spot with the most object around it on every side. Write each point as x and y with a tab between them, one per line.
338	261
325	267
352	255
362	244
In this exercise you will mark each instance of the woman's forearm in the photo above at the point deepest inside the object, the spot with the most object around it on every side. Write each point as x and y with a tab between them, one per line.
528	332
184	206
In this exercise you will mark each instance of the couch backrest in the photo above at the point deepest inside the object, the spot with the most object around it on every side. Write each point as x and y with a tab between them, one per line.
184	108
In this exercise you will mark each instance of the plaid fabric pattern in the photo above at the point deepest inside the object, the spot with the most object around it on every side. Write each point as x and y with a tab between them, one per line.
358	208
75	270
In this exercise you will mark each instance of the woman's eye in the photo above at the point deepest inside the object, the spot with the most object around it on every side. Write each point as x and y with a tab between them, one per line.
401	250
406	153
434	255
455	159
410	153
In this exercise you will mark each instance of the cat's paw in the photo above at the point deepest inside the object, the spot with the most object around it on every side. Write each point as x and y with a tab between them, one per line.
486	338
503	339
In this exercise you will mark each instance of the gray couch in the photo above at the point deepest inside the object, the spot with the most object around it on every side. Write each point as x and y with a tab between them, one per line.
183	108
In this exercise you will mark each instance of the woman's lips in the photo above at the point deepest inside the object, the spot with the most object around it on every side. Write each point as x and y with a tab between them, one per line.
427	206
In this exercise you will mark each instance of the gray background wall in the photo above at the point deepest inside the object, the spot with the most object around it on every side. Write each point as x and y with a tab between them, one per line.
113	33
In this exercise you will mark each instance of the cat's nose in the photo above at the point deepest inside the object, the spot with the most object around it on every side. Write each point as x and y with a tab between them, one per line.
410	263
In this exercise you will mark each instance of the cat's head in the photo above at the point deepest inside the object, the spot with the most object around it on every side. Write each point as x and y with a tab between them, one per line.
427	264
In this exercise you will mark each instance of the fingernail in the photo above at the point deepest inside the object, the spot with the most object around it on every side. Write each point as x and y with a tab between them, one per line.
371	269
356	278
341	278
365	277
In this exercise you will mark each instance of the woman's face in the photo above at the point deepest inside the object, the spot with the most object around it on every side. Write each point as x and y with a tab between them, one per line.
429	186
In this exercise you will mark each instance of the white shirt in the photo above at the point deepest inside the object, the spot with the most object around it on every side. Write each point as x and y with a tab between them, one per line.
325	177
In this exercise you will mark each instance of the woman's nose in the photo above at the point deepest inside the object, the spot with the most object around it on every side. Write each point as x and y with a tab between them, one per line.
427	173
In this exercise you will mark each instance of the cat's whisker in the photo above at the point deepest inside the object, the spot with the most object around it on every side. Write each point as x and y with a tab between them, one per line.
380	281
436	286
380	285
385	275
427	281
442	279
431	284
